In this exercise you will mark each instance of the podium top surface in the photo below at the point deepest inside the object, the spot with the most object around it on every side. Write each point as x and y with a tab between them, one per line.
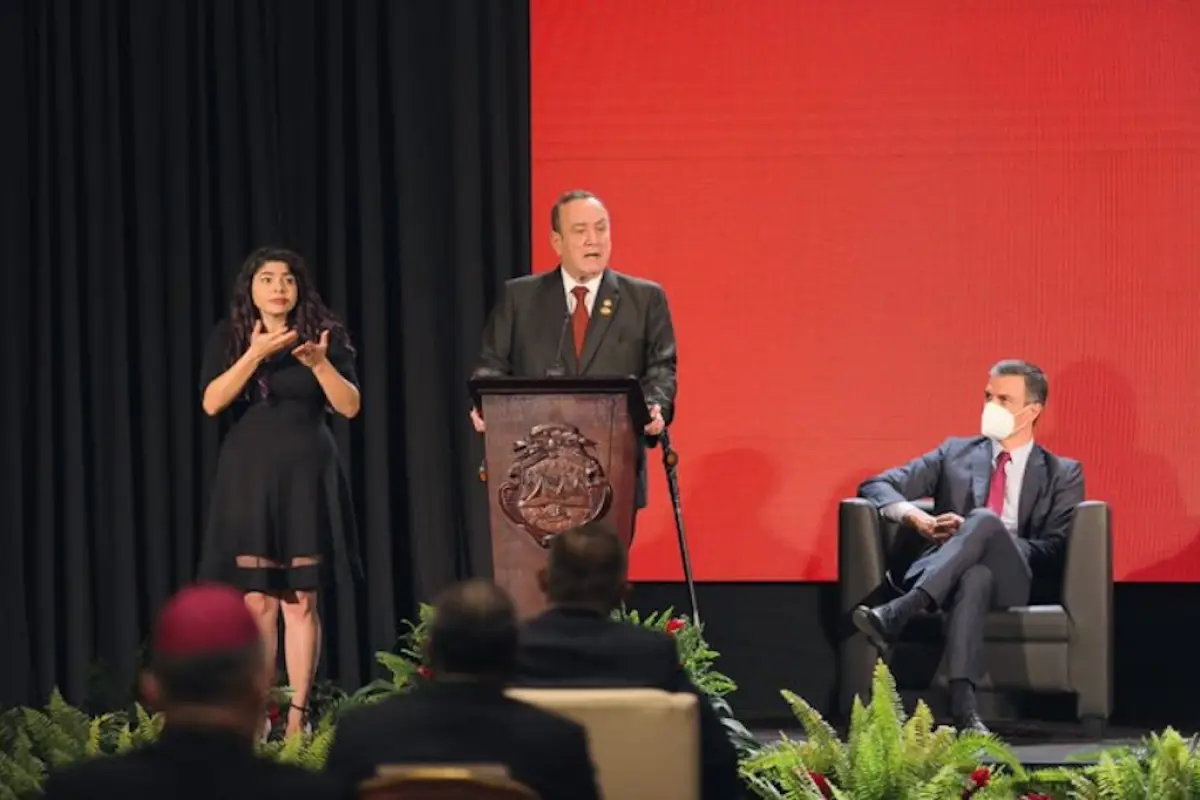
572	384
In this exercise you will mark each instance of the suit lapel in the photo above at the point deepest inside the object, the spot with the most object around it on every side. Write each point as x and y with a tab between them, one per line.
603	311
981	472
1032	487
552	306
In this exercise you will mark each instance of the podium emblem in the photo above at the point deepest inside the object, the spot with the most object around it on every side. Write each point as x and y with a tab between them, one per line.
555	483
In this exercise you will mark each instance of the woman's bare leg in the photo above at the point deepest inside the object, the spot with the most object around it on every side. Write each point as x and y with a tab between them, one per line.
301	646
265	609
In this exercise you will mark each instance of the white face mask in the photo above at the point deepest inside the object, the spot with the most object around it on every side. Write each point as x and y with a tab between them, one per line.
998	423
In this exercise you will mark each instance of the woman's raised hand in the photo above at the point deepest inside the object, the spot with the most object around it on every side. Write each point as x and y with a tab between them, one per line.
264	344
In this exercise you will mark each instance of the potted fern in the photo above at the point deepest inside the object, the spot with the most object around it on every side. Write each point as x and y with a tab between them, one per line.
1164	766
34	741
887	756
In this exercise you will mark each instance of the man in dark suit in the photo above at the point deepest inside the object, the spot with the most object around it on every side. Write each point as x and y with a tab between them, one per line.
577	643
463	716
1003	506
209	676
583	318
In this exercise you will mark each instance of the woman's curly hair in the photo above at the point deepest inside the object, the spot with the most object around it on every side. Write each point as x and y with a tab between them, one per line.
309	317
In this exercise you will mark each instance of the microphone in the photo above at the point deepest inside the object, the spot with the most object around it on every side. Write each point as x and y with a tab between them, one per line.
556	369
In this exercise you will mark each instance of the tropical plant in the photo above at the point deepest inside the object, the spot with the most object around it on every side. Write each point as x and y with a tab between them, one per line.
1163	766
35	741
887	756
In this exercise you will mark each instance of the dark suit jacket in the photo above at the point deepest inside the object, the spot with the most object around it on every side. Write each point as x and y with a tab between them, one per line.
466	724
192	763
957	475
524	338
574	647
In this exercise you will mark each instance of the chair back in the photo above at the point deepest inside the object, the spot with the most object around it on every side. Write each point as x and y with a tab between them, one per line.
485	782
643	742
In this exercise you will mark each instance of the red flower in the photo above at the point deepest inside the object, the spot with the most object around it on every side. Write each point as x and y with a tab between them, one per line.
1035	796
677	624
979	779
425	672
273	714
821	783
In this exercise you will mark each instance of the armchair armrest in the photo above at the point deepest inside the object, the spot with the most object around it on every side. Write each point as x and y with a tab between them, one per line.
861	558
1088	600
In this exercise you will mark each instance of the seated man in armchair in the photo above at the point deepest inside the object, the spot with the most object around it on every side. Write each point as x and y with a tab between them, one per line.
1002	512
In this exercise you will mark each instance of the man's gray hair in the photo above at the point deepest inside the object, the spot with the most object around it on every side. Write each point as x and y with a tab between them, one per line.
563	199
1037	388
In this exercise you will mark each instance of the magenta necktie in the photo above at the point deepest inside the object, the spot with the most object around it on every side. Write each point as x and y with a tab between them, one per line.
996	493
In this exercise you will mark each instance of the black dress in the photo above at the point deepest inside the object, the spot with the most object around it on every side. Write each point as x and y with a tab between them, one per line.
280	492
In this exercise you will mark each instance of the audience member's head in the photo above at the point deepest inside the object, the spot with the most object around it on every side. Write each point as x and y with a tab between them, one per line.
588	567
207	662
473	635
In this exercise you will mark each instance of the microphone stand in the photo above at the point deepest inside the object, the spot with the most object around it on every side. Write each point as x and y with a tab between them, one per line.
670	465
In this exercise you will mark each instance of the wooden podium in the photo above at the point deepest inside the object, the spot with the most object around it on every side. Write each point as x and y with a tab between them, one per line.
559	452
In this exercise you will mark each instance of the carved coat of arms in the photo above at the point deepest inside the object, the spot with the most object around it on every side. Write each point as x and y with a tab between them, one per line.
555	483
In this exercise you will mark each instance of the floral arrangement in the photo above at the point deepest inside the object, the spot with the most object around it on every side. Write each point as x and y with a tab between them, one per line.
889	756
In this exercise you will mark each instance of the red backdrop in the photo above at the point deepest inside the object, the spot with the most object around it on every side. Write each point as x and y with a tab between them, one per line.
856	208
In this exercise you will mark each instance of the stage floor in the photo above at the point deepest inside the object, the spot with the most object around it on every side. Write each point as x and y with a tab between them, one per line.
1036	744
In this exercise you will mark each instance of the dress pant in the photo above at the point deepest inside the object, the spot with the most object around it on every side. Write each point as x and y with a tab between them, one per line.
981	568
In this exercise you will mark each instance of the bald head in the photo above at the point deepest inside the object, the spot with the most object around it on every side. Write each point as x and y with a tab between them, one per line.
588	566
474	632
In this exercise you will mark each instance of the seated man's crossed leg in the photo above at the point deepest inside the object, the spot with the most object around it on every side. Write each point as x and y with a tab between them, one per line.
981	568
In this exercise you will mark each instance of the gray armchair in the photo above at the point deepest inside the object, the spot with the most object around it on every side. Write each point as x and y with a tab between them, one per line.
1063	647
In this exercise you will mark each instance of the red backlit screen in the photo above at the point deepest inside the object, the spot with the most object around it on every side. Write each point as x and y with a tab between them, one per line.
856	208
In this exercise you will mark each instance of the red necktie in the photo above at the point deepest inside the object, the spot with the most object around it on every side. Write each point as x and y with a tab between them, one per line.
996	493
579	318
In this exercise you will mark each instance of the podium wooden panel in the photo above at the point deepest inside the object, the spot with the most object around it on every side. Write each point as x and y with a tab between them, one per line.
559	452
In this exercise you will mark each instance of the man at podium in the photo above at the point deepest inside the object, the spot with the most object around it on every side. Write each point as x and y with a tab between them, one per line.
585	319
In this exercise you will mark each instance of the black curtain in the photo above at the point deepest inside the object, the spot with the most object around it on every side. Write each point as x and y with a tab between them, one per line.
148	146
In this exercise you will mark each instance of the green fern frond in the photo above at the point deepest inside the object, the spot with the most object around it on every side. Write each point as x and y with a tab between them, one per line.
292	751
99	734
947	782
1119	779
885	704
918	731
70	719
148	727
125	741
402	668
318	749
833	758
21	771
858	727
54	743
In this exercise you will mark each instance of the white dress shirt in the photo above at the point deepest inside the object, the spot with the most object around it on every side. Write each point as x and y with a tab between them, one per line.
1014	476
592	285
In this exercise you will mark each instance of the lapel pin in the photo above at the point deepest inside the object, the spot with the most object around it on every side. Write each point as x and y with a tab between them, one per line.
606	307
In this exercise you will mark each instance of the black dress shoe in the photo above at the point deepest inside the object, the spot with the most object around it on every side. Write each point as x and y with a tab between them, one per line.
883	624
873	622
970	723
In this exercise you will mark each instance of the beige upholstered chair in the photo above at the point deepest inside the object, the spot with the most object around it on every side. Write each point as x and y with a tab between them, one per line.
444	783
645	743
